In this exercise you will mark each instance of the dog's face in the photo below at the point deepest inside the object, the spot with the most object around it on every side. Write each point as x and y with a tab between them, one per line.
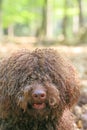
38	98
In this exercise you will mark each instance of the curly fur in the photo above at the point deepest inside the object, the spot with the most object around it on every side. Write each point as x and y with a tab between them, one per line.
21	74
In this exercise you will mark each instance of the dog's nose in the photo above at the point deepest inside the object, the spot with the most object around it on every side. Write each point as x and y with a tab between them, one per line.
39	94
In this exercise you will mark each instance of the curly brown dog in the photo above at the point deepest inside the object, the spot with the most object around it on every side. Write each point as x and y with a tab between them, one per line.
37	90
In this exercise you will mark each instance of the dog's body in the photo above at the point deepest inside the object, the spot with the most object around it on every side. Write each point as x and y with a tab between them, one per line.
37	90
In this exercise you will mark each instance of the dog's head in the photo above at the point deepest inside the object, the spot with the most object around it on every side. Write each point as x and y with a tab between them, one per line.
48	67
39	81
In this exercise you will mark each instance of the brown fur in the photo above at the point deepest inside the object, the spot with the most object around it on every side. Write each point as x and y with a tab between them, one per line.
45	70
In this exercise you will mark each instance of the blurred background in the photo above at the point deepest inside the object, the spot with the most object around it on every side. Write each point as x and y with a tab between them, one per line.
60	24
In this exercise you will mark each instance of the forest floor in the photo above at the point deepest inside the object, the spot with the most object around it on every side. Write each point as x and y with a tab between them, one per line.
78	55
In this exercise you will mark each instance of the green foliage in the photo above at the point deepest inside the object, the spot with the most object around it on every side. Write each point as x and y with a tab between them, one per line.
23	11
20	11
69	12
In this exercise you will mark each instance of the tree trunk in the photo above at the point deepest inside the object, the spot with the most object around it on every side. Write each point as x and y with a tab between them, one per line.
11	30
64	25
75	25
46	28
80	13
49	20
1	26
41	30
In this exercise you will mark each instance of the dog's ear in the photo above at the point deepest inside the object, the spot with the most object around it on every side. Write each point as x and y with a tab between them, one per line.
72	92
5	104
69	89
72	85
